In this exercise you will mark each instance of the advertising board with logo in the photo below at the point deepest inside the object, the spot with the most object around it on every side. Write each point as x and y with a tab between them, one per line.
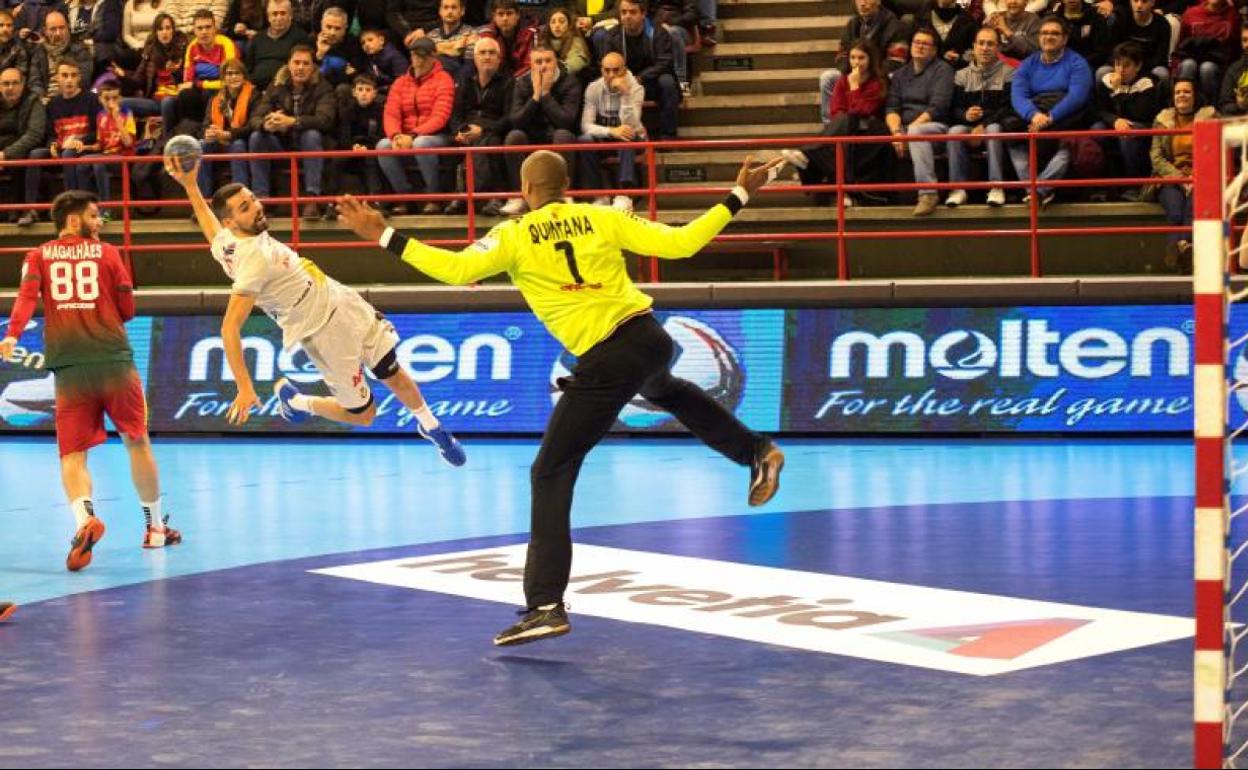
828	370
1122	368
479	372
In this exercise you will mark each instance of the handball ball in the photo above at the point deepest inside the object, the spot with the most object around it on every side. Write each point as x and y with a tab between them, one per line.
184	150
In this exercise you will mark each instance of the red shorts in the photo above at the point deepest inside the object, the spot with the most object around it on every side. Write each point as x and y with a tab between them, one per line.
87	392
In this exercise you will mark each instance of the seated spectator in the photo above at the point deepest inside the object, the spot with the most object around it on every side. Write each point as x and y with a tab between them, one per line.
680	19
71	123
1233	95
956	29
268	51
515	37
918	105
138	18
227	124
298	112
886	33
244	20
418	111
54	47
408	20
1151	31
1207	37
1172	157
479	119
1018	27
23	124
160	69
647	50
1089	32
981	106
360	128
454	39
201	73
857	110
338	55
1052	91
97	25
560	33
1127	100
116	135
31	16
545	109
13	52
382	61
612	113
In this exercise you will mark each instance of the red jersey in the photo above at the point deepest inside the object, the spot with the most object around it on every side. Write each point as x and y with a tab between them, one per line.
108	132
87	298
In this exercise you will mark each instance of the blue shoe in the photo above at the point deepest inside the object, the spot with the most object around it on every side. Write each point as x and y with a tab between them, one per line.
285	392
448	446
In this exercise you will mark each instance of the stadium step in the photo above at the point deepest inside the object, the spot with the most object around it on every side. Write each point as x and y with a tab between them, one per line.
753	131
782	29
750	9
770	81
747	109
762	57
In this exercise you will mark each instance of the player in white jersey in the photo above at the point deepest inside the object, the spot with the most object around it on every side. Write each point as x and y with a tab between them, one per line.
341	332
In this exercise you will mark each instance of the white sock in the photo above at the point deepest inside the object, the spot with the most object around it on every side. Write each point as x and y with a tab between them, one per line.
83	509
548	607
151	512
302	402
426	418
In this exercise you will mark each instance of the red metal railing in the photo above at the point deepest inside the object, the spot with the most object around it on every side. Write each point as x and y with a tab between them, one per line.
652	191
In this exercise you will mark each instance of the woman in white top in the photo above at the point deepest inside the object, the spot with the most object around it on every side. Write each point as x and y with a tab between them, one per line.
138	16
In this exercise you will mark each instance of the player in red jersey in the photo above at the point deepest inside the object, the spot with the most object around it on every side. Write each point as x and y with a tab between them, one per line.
87	297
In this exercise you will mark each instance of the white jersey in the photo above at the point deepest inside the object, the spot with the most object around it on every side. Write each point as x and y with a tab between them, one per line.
288	288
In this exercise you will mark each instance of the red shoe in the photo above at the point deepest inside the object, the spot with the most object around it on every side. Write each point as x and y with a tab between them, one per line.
84	540
169	536
6	610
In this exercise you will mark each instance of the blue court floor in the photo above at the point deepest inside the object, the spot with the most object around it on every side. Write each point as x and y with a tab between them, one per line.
232	649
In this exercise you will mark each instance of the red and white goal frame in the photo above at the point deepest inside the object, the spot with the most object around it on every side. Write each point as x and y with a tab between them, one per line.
1221	667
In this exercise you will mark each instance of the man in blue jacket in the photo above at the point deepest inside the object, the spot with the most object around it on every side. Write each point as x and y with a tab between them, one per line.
1052	91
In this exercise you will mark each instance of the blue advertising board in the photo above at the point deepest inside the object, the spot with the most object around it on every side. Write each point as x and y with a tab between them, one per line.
829	370
1069	368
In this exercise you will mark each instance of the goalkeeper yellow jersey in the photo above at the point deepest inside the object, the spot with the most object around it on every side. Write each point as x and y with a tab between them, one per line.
567	261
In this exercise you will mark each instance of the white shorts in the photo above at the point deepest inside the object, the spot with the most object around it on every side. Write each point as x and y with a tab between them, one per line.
354	338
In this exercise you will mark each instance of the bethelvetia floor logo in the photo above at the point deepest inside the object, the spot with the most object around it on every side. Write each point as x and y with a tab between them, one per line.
956	631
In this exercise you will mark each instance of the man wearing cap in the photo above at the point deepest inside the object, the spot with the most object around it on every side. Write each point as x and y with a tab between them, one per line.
418	110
